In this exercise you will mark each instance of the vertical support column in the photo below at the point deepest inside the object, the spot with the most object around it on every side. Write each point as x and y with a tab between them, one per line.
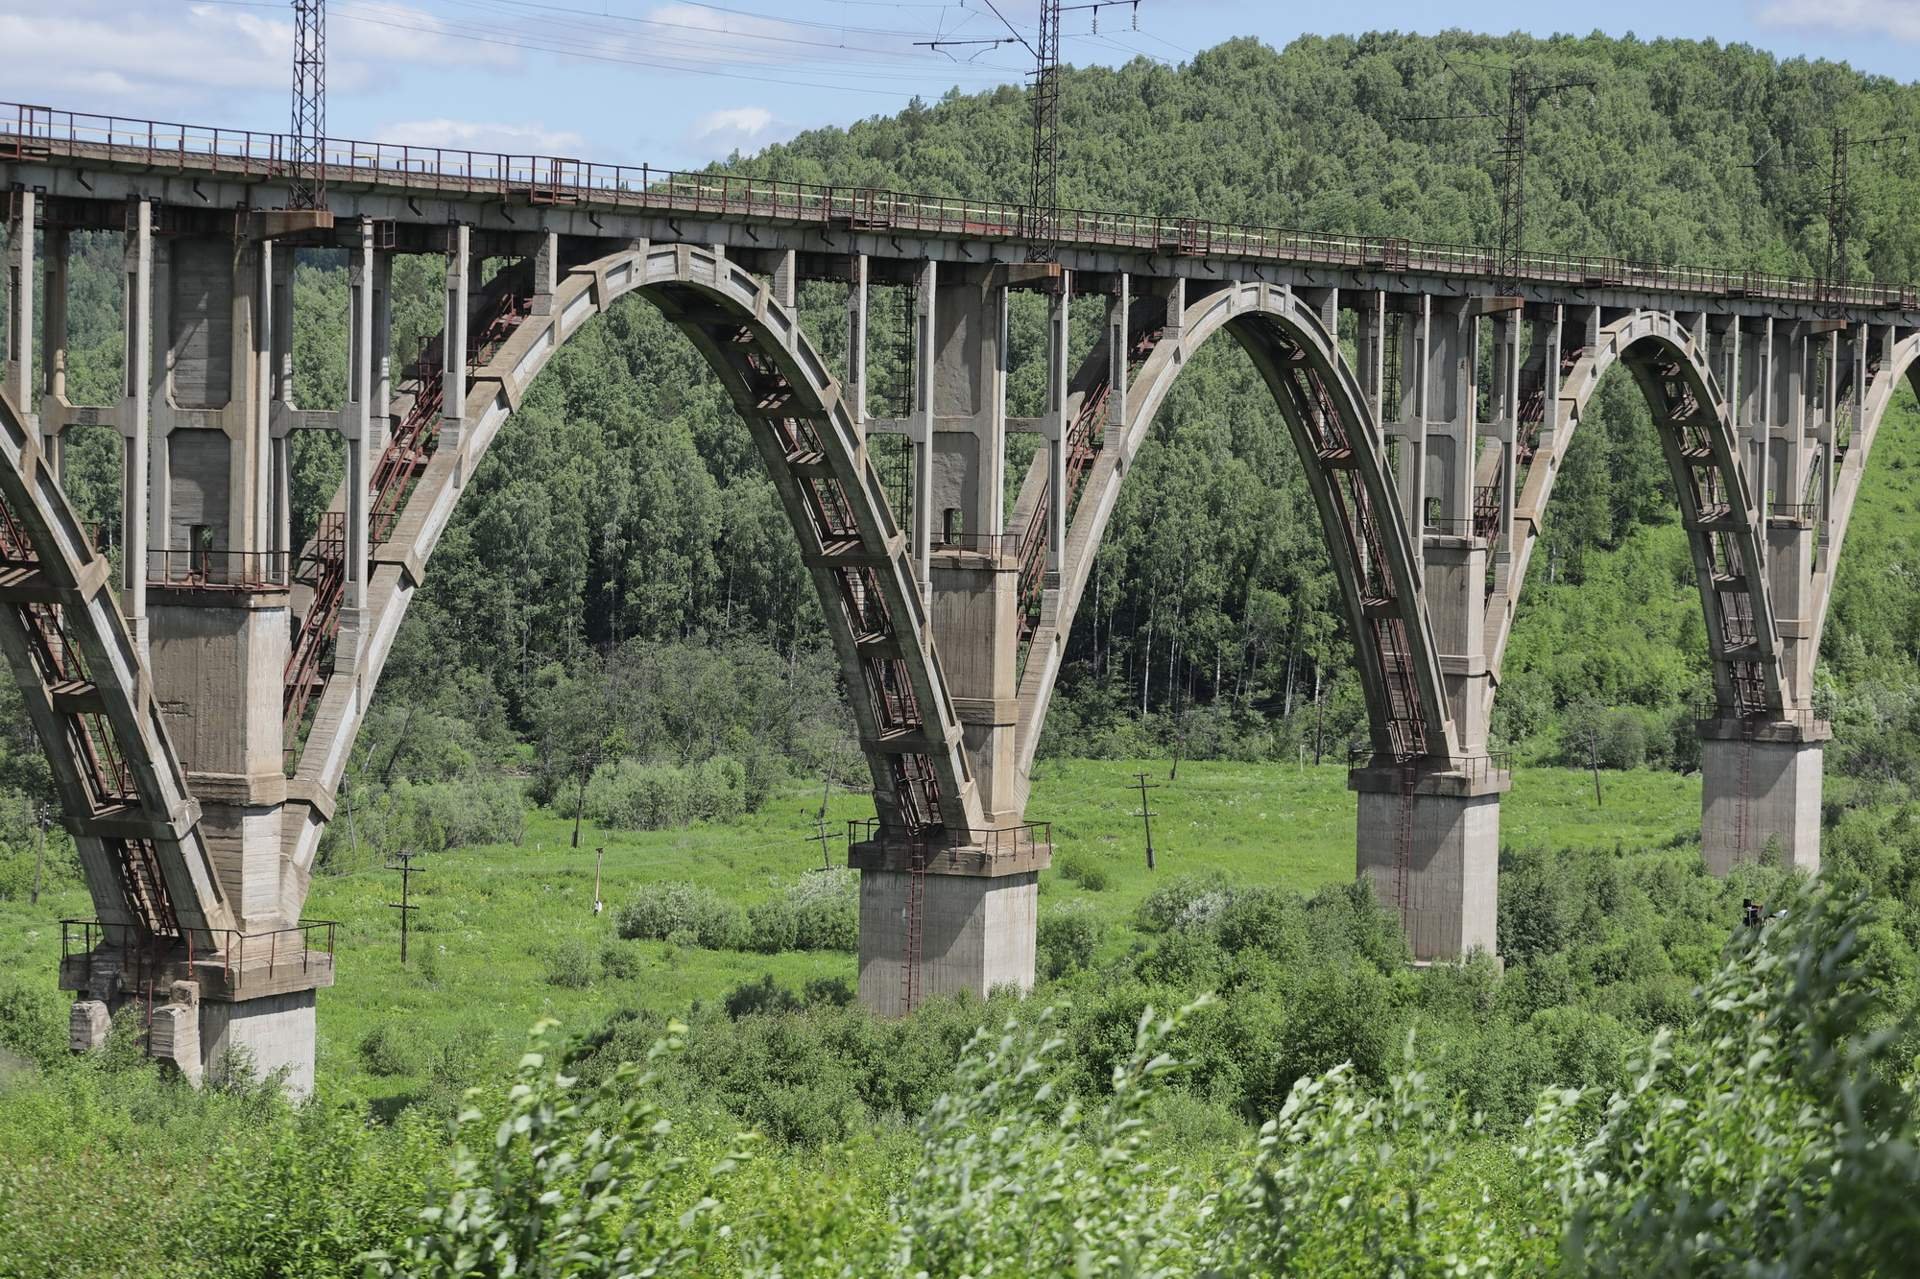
1508	330
546	272
1119	358
21	332
135	418
1451	408
263	533
785	281
159	394
53	347
379	415
855	392
921	426
1058	334
453	341
1754	375
282	392
355	427
1411	429
1370	351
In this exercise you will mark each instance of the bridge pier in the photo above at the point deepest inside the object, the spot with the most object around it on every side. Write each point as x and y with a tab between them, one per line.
1760	791
1429	841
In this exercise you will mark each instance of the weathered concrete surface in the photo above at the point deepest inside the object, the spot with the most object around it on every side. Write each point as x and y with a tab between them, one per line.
1760	795
1431	847
276	1033
977	934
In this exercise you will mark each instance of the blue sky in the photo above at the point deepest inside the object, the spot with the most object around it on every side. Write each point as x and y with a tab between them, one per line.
676	82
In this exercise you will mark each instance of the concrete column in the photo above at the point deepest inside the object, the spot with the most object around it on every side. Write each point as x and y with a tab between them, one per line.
160	400
53	347
453	342
280	340
1753	355
1508	329
921	426
1760	792
1451	434
855	391
786	280
1410	426
1119	357
135	419
1058	338
1370	346
546	273
355	428
261	523
21	331
379	410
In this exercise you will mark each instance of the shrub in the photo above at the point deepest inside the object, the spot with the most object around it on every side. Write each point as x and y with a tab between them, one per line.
818	911
630	795
717	789
684	914
1189	902
1068	936
620	961
1088	872
387	1051
570	965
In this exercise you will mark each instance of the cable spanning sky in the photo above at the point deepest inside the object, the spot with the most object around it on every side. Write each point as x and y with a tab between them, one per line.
683	82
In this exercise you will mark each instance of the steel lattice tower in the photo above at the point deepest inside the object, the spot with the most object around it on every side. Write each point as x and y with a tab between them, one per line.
307	176
1043	188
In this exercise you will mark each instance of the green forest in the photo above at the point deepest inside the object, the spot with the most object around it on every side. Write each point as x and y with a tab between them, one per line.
1230	1067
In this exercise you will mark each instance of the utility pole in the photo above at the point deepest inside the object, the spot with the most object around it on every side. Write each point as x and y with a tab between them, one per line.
405	905
1834	275
1146	814
1043	177
39	851
307	175
822	835
1523	95
1043	184
599	856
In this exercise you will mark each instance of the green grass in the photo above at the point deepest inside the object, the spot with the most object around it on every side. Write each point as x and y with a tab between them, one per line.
489	917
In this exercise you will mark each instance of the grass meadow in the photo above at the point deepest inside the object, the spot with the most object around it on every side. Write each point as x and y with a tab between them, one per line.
501	931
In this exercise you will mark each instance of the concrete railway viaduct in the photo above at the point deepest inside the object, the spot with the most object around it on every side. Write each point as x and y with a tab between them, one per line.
198	696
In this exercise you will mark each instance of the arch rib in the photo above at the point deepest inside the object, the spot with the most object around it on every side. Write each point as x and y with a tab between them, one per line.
853	550
86	690
1716	507
1340	449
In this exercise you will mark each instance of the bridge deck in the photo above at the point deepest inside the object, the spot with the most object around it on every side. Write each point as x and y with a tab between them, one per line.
62	138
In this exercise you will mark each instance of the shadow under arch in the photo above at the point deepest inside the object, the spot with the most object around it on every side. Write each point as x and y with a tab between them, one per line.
1342	454
856	555
1694	424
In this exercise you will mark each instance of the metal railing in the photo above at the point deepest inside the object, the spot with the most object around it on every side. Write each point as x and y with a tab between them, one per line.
306	947
1476	768
36	133
1819	710
999	841
218	570
996	544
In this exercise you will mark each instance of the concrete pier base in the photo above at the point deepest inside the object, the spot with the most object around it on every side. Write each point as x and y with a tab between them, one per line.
1760	792
1429	840
275	1034
977	917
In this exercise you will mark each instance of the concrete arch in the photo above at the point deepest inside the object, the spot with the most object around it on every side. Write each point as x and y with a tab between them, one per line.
858	558
84	681
1342	452
1888	359
1692	416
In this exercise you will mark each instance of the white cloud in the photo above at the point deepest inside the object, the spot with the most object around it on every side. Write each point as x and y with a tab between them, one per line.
474	135
171	61
1899	19
730	128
